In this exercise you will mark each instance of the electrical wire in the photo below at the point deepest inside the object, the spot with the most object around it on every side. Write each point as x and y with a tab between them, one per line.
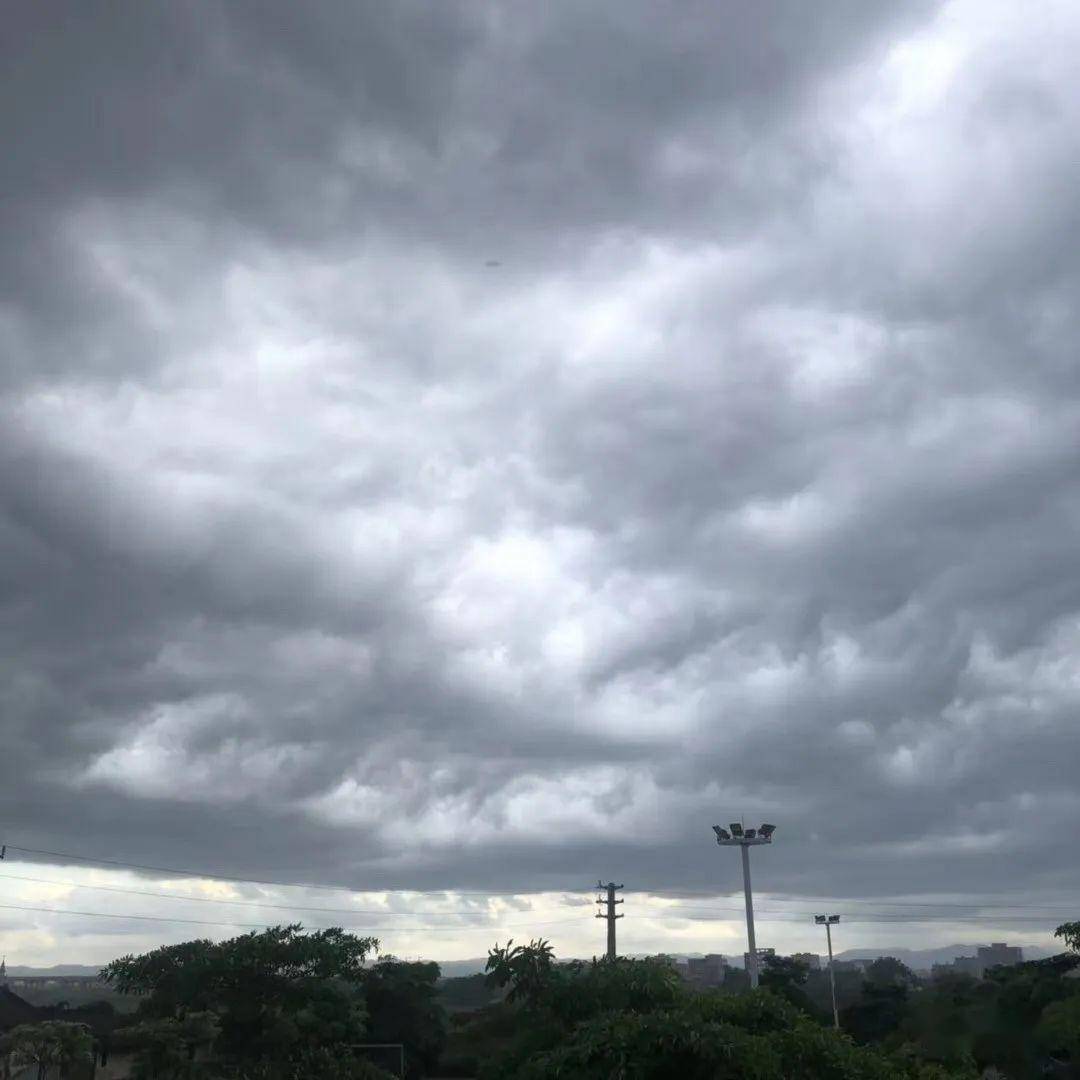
214	876
787	917
238	903
883	918
262	926
975	912
792	899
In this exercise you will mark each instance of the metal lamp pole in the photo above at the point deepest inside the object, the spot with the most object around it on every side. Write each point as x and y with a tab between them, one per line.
829	921
745	839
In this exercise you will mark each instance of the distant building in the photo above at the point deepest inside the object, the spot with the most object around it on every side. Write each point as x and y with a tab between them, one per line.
999	953
986	957
705	970
679	966
761	955
812	960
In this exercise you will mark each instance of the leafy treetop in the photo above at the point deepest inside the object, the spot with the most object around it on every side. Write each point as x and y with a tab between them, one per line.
1069	933
275	993
52	1044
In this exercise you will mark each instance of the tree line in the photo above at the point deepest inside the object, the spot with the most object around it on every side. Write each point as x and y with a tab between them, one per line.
286	1004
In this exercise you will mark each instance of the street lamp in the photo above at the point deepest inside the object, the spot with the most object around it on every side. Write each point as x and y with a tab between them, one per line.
829	921
737	837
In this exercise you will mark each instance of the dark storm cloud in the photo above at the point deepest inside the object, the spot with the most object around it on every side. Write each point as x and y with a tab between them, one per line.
746	483
487	129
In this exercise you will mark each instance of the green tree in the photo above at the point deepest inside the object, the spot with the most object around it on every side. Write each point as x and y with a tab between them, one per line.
883	1003
325	1063
1058	1032
942	1021
755	1036
277	994
787	977
467	992
1018	996
166	1049
877	1016
887	971
784	971
1069	933
633	1018
403	1007
48	1045
525	969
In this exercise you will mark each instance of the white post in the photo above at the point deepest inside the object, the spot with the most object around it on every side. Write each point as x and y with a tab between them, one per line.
752	966
832	979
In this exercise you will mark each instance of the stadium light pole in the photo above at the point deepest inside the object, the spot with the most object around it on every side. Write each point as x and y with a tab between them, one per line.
746	839
829	921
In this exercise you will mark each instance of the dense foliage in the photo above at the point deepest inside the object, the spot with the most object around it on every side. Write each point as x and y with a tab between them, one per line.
278	1003
1022	1020
53	1046
274	993
467	992
788	977
883	1003
635	1018
288	1005
403	1007
167	1047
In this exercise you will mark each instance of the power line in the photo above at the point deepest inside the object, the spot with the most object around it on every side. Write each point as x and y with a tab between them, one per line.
239	903
175	870
214	876
692	914
799	899
261	926
933	916
787	917
858	916
922	903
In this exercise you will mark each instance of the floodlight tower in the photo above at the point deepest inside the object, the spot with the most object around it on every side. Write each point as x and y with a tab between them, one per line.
829	921
746	839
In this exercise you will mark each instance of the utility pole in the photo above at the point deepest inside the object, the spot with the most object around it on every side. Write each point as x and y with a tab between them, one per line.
746	839
829	921
610	915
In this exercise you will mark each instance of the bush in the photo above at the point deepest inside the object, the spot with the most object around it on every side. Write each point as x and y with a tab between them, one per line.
710	1036
459	1067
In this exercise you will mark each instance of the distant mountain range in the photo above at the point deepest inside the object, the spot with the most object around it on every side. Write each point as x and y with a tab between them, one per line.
58	971
457	969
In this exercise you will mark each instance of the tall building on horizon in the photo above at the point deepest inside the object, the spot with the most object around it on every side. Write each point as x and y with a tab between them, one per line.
986	956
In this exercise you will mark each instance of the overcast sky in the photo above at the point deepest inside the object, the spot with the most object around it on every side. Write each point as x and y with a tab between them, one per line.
477	447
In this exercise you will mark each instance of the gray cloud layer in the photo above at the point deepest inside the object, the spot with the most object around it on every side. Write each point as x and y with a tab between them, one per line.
746	482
